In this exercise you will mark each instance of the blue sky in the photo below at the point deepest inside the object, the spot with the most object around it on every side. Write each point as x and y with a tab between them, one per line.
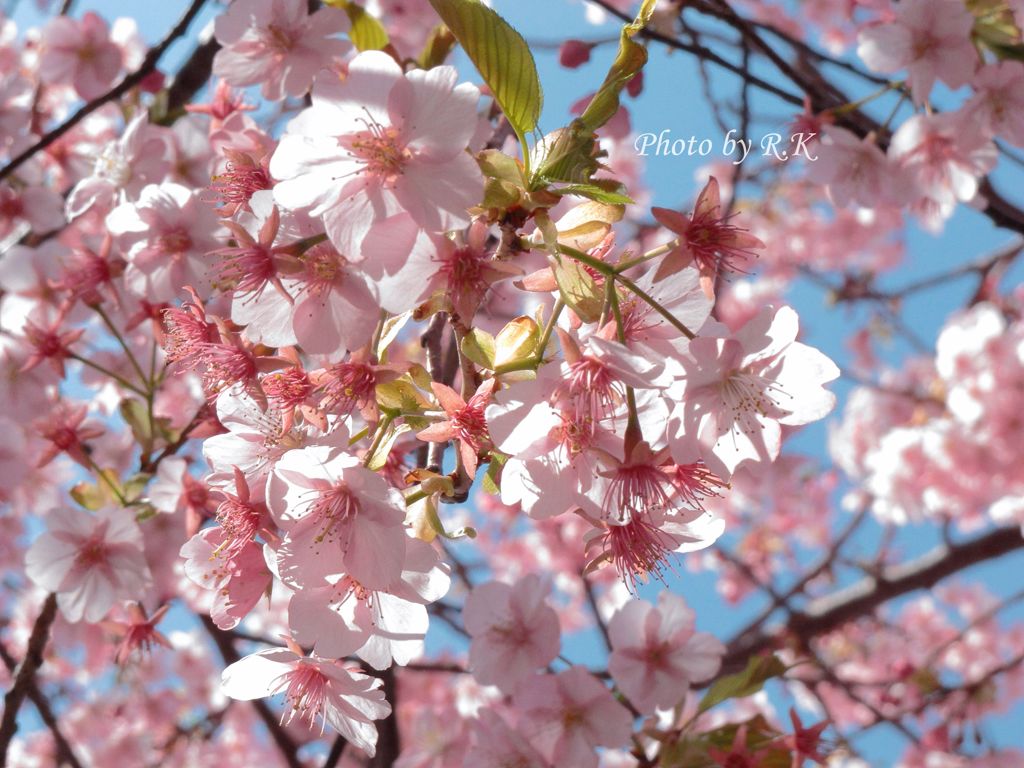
672	99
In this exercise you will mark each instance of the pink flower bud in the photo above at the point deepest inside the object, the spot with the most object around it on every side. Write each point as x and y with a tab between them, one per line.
574	53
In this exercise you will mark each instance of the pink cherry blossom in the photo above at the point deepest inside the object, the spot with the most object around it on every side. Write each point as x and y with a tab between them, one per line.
741	388
856	170
706	239
397	143
340	519
514	631
656	654
572	713
380	626
998	102
346	700
277	45
80	52
90	561
139	157
465	422
928	38
232	569
165	237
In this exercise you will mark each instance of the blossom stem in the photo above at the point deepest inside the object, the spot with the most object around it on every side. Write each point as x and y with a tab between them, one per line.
124	345
855	105
107	372
382	430
661	250
549	328
609	271
633	432
107	481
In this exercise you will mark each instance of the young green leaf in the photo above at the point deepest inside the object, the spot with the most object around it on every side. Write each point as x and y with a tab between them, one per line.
502	57
759	670
630	59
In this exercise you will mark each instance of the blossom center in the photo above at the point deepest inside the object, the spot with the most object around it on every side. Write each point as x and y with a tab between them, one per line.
305	690
379	149
332	509
176	240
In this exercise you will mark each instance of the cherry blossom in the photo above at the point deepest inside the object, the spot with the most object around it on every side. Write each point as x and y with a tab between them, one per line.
90	561
514	631
656	654
398	144
740	389
164	237
278	45
931	40
571	713
340	519
314	689
80	52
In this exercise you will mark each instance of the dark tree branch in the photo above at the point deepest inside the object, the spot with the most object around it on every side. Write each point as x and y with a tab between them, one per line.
147	67
65	754
864	597
25	675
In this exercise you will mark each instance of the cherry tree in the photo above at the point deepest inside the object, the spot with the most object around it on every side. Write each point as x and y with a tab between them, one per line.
358	413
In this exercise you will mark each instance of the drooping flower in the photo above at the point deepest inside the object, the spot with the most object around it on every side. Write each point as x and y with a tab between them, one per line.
139	633
465	423
345	699
90	561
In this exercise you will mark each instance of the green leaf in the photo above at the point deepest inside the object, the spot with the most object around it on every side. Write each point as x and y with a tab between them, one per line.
136	416
630	59
379	458
759	670
568	154
366	32
502	57
439	44
600	194
579	290
491	482
478	346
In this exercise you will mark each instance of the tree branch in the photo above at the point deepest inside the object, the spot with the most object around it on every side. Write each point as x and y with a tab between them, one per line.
862	598
130	81
26	673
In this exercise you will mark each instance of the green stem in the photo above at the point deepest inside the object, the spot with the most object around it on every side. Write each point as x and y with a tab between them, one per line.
378	437
661	250
549	328
653	303
124	345
106	481
107	372
610	271
633	432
